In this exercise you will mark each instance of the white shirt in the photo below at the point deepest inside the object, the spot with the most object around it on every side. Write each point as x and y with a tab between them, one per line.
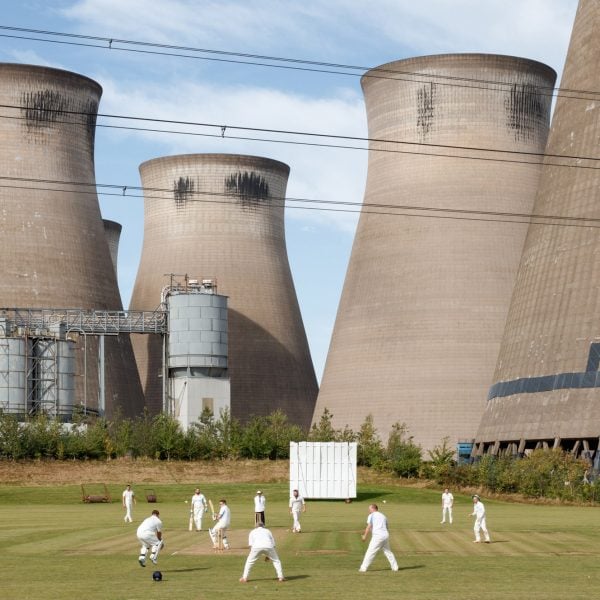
224	516
198	502
447	499
149	526
479	510
128	497
259	503
378	523
296	503
261	538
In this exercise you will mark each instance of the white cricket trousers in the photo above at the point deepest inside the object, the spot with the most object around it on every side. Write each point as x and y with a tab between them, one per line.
213	535
447	511
152	543
127	517
480	525
198	512
255	554
376	544
296	517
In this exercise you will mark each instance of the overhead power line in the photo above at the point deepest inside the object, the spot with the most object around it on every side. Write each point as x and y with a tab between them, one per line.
298	64
224	128
154	193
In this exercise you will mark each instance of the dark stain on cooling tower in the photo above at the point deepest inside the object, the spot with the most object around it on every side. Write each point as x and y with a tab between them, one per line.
526	110
42	107
250	187
425	108
183	190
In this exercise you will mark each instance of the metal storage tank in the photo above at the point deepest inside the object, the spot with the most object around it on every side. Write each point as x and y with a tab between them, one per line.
112	231
197	352
221	216
427	291
55	253
13	376
545	388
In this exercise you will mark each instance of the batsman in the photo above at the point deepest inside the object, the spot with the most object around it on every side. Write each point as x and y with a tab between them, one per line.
223	519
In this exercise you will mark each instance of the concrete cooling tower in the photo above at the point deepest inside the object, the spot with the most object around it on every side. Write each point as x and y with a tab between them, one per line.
112	231
427	291
54	252
546	386
221	217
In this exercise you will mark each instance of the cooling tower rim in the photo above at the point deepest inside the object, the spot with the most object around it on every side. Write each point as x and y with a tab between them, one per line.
50	71
437	61
218	158
109	224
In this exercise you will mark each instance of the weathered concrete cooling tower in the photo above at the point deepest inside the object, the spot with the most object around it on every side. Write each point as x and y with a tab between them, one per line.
222	216
427	292
54	253
112	231
546	385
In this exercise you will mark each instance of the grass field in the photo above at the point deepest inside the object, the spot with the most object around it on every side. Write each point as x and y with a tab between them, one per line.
56	547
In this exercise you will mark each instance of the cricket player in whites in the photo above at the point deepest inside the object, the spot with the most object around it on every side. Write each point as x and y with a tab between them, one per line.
380	539
199	507
128	502
297	505
480	524
149	534
223	519
261	542
447	503
259	508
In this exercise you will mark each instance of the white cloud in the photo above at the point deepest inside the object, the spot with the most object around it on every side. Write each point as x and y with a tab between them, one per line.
29	57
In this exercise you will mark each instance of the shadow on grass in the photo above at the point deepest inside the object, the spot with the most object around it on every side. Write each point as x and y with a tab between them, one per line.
185	570
410	568
287	578
360	497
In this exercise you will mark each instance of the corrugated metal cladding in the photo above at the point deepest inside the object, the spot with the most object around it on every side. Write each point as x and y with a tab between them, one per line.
197	331
427	291
221	216
546	384
54	252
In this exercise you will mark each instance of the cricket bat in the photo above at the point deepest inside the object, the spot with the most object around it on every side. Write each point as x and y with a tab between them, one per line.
191	524
212	510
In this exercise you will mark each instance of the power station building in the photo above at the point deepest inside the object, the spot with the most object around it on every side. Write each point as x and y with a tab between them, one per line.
54	250
545	390
221	218
435	256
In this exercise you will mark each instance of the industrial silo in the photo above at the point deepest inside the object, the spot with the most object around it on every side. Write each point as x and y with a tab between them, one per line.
55	253
221	217
197	350
427	288
545	388
112	231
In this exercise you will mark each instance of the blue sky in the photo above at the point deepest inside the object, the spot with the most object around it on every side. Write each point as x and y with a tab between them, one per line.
351	32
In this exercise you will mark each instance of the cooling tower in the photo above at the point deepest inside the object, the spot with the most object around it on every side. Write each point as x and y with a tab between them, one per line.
222	217
55	254
112	231
545	388
427	291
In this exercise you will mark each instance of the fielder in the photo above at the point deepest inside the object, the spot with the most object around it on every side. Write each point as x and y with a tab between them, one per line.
198	508
261	542
297	505
447	503
128	502
380	539
223	519
149	533
480	524
259	508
